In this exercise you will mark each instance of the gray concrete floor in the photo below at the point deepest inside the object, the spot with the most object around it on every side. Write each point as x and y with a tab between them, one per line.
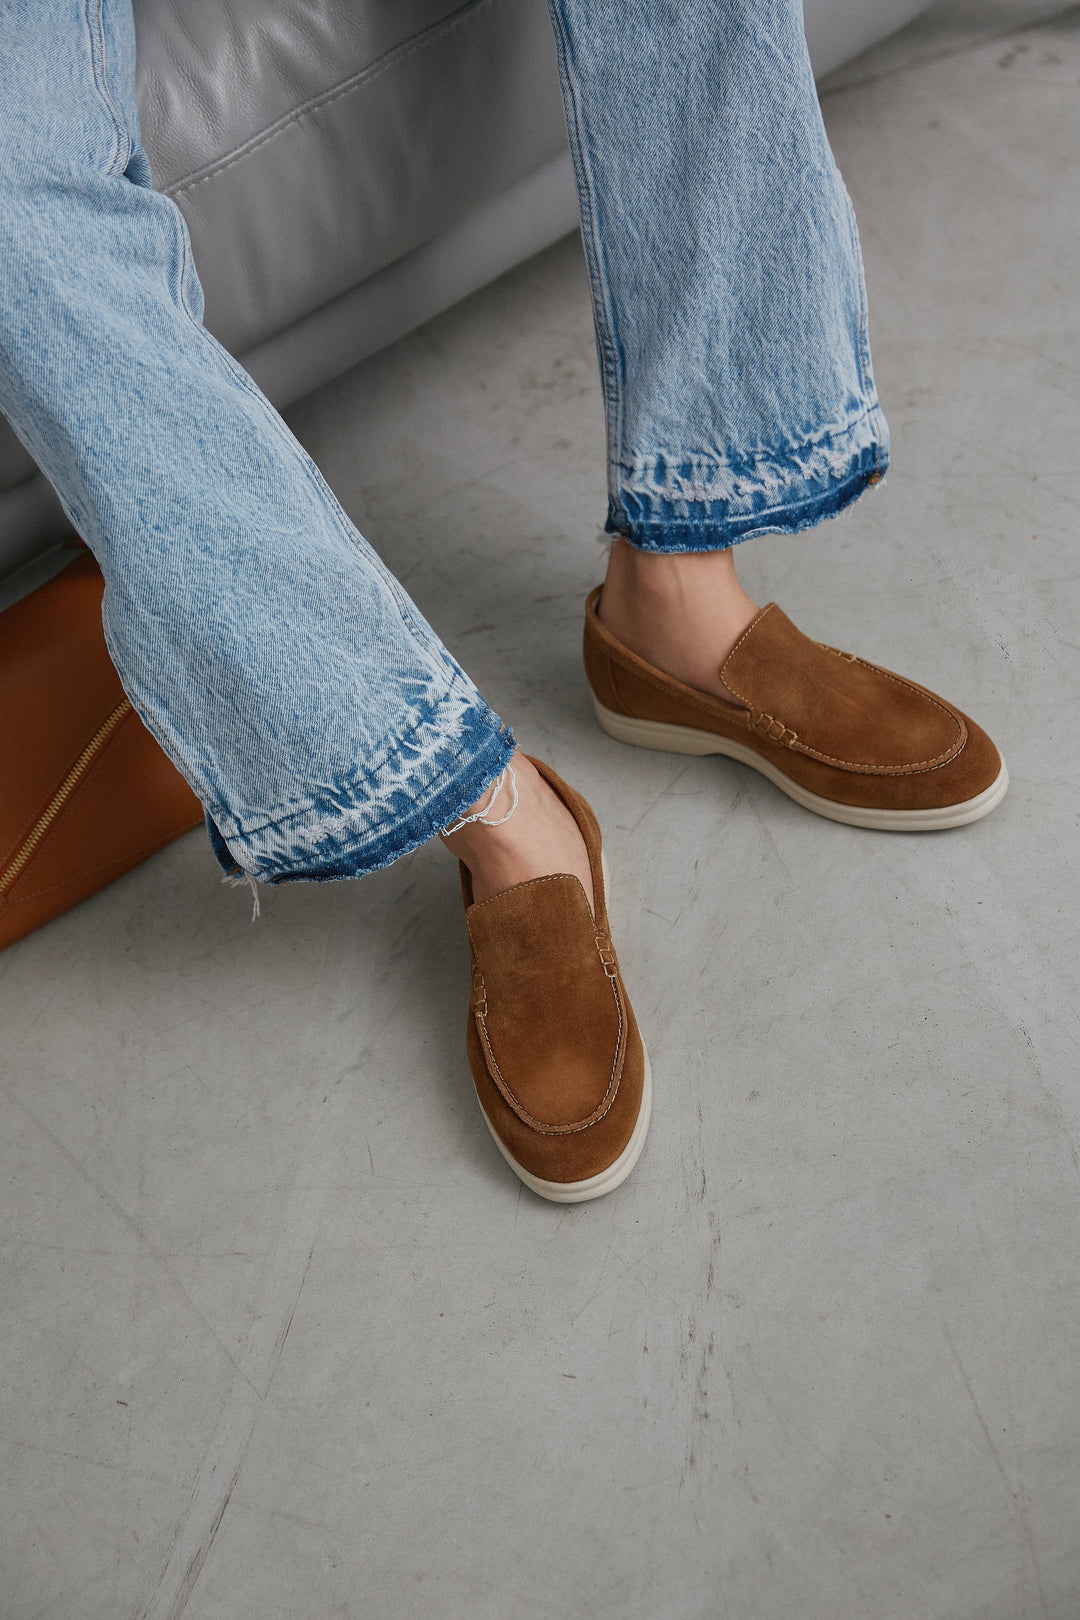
283	1339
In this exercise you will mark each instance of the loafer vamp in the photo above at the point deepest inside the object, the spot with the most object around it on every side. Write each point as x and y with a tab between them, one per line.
565	1156
836	708
550	1018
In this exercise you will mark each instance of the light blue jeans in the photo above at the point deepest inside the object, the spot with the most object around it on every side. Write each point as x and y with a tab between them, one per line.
318	717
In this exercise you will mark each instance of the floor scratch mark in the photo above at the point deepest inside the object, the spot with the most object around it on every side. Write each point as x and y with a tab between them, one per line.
279	1342
202	1552
133	1225
1015	1496
649	808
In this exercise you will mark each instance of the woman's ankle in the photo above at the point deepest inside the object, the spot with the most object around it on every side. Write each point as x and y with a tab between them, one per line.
680	611
538	839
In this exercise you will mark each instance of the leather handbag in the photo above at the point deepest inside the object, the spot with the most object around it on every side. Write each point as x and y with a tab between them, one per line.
85	791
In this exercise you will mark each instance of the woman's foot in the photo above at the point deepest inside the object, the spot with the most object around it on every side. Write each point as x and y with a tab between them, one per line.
540	838
837	734
560	1071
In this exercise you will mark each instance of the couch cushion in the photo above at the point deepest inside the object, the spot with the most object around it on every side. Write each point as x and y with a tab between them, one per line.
310	144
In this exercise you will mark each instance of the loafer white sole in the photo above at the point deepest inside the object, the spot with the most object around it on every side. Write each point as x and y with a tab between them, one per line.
686	740
577	1192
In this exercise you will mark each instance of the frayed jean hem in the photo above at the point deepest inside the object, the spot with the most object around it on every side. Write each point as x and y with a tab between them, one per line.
325	842
666	517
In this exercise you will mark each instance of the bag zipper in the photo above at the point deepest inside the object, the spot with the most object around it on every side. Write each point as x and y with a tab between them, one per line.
63	793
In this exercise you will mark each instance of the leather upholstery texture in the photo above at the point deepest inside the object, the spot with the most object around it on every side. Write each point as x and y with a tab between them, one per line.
310	144
88	793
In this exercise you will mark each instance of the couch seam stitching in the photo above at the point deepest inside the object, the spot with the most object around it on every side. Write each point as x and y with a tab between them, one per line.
326	98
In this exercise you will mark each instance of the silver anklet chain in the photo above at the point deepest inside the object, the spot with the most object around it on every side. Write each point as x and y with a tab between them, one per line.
481	816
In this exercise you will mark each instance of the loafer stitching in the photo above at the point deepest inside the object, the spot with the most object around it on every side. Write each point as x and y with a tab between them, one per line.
606	1100
529	883
706	703
830	759
914	766
749	718
751	627
604	949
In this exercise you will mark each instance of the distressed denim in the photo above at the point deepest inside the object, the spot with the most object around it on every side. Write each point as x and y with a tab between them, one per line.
318	717
726	275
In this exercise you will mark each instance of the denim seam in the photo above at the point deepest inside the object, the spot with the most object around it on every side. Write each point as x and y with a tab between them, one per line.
95	24
325	98
864	345
869	391
607	346
458	686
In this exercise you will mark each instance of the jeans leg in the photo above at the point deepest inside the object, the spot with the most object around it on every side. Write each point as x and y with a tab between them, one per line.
726	273
320	720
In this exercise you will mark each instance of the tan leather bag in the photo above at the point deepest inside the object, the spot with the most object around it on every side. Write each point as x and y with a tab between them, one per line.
85	791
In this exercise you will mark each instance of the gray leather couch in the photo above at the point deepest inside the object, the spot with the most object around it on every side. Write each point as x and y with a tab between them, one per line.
349	168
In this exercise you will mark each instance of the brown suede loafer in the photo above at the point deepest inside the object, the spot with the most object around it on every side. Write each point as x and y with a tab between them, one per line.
559	1067
840	736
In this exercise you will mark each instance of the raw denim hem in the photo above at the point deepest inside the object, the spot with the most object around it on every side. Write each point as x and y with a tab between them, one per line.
655	522
356	839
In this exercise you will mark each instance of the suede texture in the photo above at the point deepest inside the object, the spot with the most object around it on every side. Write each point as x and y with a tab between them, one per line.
841	727
555	1052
